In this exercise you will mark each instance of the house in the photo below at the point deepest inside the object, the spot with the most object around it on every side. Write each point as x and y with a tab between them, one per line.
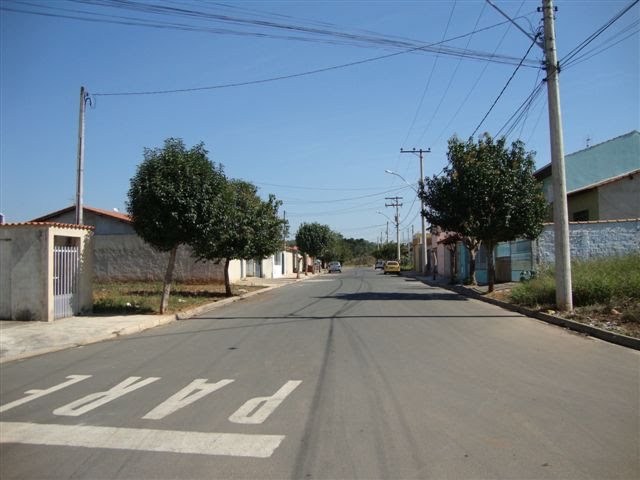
603	199
603	181
120	254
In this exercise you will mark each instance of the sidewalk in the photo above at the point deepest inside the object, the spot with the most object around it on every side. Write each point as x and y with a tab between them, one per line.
20	340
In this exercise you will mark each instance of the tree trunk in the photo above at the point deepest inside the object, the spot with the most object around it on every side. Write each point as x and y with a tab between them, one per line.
491	268
227	281
472	247
452	262
168	277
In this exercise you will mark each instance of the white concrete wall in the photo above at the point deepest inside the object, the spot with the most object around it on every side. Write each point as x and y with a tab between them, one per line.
23	267
591	239
26	271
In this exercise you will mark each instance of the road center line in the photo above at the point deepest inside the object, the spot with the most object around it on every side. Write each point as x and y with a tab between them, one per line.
229	444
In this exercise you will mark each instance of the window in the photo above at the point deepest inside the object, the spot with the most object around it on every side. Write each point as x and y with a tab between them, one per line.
581	216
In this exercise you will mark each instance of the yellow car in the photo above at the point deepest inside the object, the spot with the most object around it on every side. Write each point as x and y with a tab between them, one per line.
391	267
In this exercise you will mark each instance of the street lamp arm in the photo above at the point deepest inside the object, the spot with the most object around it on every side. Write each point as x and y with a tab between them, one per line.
390	172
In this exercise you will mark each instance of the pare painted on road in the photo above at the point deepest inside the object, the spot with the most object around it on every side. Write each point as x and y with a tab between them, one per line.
254	411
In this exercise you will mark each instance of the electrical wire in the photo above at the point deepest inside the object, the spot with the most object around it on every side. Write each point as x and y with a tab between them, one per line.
477	81
451	78
506	85
567	58
433	68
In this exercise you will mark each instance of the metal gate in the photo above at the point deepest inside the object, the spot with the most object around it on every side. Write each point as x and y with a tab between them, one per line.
66	263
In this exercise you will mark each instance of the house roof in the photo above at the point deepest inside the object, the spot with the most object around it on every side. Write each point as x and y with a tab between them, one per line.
98	211
49	224
613	157
605	182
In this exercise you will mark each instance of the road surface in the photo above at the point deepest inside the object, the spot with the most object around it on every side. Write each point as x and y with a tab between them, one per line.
352	375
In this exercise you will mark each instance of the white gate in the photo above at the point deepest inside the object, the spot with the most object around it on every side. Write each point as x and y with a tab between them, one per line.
66	263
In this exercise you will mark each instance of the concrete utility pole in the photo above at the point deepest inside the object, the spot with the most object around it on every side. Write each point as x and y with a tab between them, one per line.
84	98
397	220
564	300
423	260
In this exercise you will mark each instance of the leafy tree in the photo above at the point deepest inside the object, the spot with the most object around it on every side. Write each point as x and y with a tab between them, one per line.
487	194
389	250
173	192
314	239
242	227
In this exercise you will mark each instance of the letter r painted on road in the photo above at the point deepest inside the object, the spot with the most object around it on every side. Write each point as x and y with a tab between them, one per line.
257	409
189	394
98	399
33	394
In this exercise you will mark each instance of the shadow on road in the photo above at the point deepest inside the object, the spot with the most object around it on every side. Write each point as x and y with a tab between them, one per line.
398	296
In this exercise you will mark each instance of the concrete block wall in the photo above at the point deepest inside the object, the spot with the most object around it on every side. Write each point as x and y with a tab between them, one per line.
591	239
128	257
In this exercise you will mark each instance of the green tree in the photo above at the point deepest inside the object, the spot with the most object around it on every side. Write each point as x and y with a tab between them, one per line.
487	194
314	239
389	250
242	227
173	192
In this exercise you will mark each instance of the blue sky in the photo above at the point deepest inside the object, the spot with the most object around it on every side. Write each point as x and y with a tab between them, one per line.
320	142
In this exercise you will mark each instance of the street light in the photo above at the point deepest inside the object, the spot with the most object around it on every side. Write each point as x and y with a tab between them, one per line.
423	266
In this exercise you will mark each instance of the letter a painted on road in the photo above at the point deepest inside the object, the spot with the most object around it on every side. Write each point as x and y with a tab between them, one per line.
189	394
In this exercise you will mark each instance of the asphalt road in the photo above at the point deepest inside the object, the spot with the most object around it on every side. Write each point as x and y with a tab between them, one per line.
352	375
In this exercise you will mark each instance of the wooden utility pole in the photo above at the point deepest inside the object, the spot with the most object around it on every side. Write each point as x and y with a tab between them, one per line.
564	300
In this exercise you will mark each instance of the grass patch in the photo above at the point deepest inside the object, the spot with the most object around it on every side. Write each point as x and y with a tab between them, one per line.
599	281
606	293
127	298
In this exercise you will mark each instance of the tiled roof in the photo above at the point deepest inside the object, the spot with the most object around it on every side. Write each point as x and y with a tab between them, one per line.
49	224
615	220
98	211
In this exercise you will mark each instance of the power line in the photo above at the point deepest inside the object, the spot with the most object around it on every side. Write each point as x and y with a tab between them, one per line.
433	68
567	58
506	85
477	81
453	75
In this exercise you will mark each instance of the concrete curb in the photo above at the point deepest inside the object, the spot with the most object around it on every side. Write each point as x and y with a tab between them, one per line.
599	333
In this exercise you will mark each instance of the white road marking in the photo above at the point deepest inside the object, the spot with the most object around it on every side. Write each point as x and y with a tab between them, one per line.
258	409
98	399
189	394
37	393
229	444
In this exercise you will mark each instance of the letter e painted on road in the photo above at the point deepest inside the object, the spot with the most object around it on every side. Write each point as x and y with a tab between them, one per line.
257	409
189	394
98	399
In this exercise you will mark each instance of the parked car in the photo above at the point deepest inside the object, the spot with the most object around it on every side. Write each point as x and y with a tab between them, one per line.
391	267
379	265
334	267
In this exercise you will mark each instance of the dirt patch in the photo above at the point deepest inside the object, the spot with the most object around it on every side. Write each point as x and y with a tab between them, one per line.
622	318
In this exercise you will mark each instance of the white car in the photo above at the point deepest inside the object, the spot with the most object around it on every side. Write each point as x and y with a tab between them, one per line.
334	267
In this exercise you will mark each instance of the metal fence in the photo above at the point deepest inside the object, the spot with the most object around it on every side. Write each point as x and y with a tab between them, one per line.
66	264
